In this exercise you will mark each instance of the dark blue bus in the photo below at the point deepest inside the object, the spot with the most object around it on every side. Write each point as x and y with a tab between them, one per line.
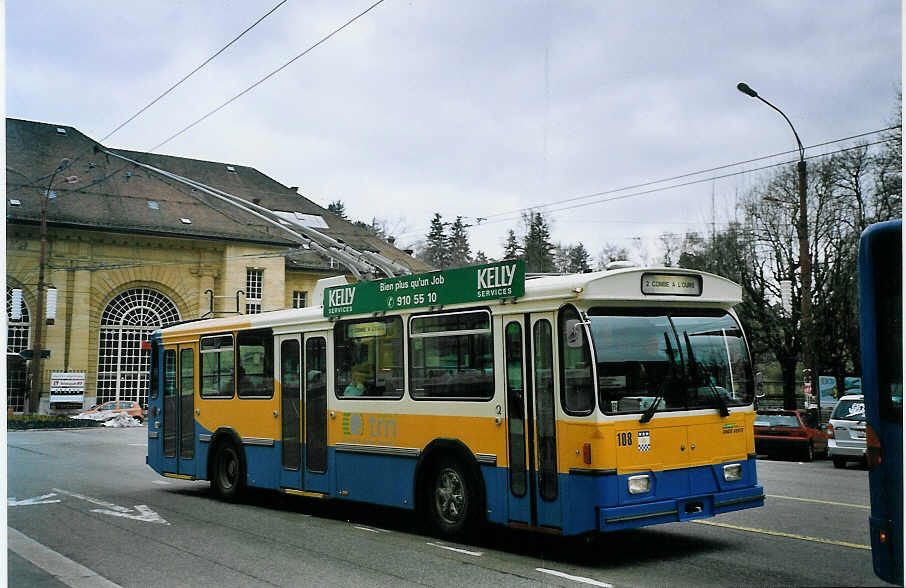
881	338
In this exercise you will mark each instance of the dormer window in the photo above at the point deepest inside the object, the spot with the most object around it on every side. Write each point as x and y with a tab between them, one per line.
61	131
153	205
185	221
231	169
14	202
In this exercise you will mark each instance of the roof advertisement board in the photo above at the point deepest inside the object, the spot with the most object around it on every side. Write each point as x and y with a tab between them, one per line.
476	283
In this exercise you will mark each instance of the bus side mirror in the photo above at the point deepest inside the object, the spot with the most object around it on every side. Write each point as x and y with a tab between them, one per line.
759	385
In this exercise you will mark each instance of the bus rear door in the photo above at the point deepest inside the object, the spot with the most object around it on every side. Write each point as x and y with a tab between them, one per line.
180	382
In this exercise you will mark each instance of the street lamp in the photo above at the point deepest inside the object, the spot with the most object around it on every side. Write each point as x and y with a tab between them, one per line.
38	341
805	262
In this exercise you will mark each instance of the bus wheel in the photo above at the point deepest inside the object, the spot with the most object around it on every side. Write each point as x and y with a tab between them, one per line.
839	462
451	502
229	475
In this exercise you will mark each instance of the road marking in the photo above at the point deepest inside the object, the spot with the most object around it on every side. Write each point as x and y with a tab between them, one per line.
818	501
574	578
11	501
456	549
57	565
370	529
161	482
144	514
788	535
138	445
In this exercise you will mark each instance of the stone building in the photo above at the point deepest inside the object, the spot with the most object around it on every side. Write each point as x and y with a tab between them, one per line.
132	248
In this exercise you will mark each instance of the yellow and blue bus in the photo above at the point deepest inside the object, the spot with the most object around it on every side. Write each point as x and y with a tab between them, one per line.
881	341
570	404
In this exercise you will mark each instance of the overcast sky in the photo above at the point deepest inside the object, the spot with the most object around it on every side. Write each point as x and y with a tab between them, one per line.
472	108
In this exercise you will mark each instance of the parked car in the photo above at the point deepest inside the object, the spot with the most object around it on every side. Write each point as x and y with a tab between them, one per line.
847	431
131	407
790	433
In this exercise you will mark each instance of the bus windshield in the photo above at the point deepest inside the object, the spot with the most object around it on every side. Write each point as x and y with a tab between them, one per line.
681	360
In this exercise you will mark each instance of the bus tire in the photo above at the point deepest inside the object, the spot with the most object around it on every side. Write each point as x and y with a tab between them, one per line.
839	462
228	475
452	499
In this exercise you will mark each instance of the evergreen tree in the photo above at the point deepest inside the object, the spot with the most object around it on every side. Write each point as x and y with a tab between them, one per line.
578	260
481	258
437	245
460	252
539	251
338	208
511	248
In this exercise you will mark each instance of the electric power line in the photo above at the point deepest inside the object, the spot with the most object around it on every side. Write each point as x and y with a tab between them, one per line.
546	207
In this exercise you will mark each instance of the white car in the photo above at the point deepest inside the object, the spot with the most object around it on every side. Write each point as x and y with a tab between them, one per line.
846	431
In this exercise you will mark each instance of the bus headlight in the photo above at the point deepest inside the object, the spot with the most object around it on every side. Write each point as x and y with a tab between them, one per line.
733	472
639	484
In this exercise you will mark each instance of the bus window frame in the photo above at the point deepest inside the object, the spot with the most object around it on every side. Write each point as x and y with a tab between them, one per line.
490	332
587	345
201	371
268	337
670	312
338	325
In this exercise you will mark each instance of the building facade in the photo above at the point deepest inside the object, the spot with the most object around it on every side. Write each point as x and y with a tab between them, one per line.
129	250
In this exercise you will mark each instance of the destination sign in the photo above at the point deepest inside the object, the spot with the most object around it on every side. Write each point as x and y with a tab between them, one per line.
476	283
671	284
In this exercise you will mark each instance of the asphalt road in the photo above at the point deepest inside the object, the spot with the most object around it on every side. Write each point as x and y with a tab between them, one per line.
86	508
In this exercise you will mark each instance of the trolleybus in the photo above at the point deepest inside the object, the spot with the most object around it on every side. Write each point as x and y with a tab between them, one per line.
881	340
570	404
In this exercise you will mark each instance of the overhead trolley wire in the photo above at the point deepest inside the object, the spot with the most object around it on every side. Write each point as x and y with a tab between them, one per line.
194	71
268	76
171	88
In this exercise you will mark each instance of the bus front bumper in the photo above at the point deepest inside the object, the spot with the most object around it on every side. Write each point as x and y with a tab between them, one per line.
679	509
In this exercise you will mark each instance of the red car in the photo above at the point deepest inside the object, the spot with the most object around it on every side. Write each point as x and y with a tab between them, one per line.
791	433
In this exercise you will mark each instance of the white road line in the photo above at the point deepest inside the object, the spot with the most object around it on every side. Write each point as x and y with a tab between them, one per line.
818	501
161	482
138	445
574	578
370	529
456	549
57	565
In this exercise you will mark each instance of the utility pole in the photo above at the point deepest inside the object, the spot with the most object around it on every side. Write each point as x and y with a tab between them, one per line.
805	266
34	396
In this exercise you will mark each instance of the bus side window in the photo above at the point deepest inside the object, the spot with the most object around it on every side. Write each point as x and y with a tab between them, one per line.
576	381
368	356
255	374
217	366
451	356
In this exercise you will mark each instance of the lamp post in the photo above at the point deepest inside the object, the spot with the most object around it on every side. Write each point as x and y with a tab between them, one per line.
34	396
805	263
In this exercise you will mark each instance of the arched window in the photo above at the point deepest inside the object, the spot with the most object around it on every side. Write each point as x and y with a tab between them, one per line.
127	321
17	334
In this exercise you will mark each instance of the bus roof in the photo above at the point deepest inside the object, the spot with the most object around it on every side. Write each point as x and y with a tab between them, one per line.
658	286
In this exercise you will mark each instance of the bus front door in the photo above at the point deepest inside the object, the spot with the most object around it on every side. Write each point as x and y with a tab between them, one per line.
518	416
543	377
180	382
290	386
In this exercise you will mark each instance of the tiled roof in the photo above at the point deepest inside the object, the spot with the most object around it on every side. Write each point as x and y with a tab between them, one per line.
106	193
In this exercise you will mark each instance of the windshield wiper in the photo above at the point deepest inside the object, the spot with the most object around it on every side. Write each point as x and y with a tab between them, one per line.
649	412
699	376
